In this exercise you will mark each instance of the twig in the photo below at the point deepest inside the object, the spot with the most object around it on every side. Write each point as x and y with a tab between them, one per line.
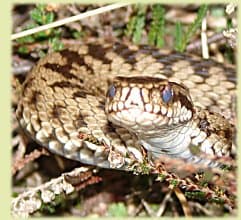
69	19
197	44
183	201
19	164
163	204
147	208
174	208
205	52
202	208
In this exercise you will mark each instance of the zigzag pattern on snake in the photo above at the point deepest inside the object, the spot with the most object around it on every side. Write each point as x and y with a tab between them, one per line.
103	103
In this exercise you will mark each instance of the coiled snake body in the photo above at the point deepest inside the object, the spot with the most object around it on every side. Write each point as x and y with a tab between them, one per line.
102	104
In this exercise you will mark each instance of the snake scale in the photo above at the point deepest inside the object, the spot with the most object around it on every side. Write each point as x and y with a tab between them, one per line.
108	104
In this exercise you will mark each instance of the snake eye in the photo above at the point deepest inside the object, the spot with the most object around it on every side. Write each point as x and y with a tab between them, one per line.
112	91
167	94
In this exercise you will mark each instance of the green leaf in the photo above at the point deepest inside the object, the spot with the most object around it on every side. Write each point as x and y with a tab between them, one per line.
27	39
51	208
174	182
56	44
77	34
49	18
157	27
117	210
229	23
130	27
42	35
23	50
30	26
140	22
196	24
161	177
136	24
41	53
36	15
41	7
195	195
178	37
41	16
182	38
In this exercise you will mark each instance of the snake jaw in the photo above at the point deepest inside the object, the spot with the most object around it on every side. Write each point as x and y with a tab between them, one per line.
146	105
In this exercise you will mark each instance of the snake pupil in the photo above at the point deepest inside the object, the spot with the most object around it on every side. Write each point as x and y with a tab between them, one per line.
167	94
112	91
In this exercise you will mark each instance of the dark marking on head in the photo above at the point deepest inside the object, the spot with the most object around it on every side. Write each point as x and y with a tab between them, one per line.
98	52
141	95
140	79
179	85
183	100
128	94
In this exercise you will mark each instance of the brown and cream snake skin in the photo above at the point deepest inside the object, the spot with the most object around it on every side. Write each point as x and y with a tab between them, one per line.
103	104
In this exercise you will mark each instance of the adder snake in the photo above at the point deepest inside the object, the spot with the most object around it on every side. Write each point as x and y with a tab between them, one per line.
103	103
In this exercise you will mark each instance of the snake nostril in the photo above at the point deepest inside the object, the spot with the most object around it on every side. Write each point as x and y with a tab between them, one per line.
112	91
167	93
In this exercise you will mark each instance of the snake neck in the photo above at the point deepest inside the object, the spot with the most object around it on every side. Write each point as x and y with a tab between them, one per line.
191	139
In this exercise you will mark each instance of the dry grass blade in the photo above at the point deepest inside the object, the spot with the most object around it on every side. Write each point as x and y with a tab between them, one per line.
163	204
183	201
68	20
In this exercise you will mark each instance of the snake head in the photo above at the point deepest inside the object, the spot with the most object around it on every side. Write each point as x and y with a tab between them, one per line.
146	104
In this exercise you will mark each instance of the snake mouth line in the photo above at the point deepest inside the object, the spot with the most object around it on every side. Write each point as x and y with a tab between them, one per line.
139	120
